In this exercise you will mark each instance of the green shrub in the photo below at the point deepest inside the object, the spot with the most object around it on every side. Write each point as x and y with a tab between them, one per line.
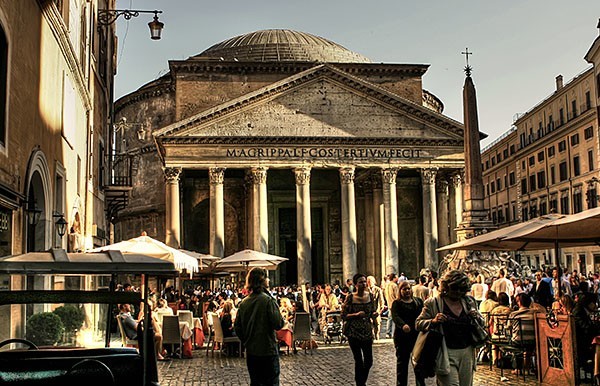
44	329
72	317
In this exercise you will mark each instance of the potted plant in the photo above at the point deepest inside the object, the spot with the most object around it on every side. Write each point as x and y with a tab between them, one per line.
72	318
44	329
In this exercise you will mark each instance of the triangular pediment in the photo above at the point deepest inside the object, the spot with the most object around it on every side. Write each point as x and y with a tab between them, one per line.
320	102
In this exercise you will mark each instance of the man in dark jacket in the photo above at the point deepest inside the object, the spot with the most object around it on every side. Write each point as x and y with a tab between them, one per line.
542	291
257	319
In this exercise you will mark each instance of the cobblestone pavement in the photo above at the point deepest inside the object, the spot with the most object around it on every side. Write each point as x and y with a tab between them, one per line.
330	365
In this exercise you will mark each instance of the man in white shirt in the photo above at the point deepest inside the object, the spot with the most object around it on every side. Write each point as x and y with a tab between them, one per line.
502	284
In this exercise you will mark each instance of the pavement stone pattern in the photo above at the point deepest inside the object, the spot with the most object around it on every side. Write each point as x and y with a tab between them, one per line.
329	365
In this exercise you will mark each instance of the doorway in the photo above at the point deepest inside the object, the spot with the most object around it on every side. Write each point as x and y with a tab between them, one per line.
287	245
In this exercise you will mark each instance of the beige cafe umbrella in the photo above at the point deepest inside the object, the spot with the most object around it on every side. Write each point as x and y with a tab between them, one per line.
246	259
148	246
558	231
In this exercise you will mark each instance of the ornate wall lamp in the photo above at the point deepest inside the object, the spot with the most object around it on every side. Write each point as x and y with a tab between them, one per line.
109	16
60	225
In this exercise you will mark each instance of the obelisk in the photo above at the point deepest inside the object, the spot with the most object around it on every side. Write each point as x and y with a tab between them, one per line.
475	216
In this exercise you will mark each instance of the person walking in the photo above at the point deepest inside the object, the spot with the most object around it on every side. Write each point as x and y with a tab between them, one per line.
454	314
257	319
391	293
405	311
358	313
379	304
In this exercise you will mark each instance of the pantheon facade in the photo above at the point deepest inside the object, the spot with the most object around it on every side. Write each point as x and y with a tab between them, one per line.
288	143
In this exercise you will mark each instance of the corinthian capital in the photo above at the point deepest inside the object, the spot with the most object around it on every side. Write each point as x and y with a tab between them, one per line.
388	176
216	175
172	175
258	175
302	175
347	175
457	179
441	186
428	176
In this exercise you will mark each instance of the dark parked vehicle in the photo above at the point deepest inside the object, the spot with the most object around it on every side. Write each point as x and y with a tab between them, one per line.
53	351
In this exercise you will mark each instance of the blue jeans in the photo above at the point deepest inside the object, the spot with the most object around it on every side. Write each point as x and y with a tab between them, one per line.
390	326
263	370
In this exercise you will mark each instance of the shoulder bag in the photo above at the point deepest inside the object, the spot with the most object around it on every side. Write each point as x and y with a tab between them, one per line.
425	351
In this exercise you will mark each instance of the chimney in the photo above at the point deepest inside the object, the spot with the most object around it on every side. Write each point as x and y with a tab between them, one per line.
559	82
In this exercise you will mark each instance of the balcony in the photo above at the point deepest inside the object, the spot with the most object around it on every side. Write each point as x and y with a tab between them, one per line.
119	185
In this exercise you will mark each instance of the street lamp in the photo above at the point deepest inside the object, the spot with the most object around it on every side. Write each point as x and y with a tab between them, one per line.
61	225
33	213
109	16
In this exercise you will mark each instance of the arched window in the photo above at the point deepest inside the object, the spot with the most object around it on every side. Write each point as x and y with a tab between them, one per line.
3	84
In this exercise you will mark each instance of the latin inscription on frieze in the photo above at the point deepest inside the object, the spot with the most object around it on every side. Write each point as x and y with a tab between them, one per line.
324	152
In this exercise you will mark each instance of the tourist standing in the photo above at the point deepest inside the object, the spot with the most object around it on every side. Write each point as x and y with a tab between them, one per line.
358	313
453	313
256	321
377	294
405	311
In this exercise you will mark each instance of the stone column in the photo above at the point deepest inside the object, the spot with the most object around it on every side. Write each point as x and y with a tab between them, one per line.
370	230
390	219
172	215
456	204
260	224
349	263
378	226
441	188
303	224
430	232
217	212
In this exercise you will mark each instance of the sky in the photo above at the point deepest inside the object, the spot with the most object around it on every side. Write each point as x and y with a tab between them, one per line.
518	46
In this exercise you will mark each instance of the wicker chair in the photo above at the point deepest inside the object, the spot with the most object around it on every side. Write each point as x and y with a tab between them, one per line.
125	341
171	333
220	339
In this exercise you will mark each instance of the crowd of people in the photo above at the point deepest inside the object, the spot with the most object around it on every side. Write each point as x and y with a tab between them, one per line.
402	309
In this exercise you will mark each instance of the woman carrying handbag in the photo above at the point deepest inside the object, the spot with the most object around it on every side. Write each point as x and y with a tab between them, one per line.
455	315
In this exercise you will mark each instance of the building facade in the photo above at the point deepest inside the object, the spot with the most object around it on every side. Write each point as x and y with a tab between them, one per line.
548	162
56	73
287	143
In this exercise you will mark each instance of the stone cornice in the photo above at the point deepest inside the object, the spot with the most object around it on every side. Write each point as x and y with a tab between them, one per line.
390	141
196	65
58	28
144	93
441	122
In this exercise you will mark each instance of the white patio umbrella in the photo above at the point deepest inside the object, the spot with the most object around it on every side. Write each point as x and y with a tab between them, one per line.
246	259
148	246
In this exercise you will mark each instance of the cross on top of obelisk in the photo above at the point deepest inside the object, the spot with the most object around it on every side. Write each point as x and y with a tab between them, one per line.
468	68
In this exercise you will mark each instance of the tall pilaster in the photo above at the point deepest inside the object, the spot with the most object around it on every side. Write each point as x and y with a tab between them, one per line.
260	224
172	217
349	263
370	230
456	204
430	231
217	212
441	188
303	224
390	219
378	225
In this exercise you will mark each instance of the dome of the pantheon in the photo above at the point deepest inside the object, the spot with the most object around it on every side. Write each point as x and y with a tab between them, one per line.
281	45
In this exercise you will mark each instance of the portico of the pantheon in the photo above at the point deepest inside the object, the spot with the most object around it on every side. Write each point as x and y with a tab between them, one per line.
288	143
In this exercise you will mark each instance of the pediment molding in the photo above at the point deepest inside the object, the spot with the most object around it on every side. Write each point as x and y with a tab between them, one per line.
442	123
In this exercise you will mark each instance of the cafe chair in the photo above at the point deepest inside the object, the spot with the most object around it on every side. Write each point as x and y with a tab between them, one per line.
302	332
221	340
125	341
172	334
